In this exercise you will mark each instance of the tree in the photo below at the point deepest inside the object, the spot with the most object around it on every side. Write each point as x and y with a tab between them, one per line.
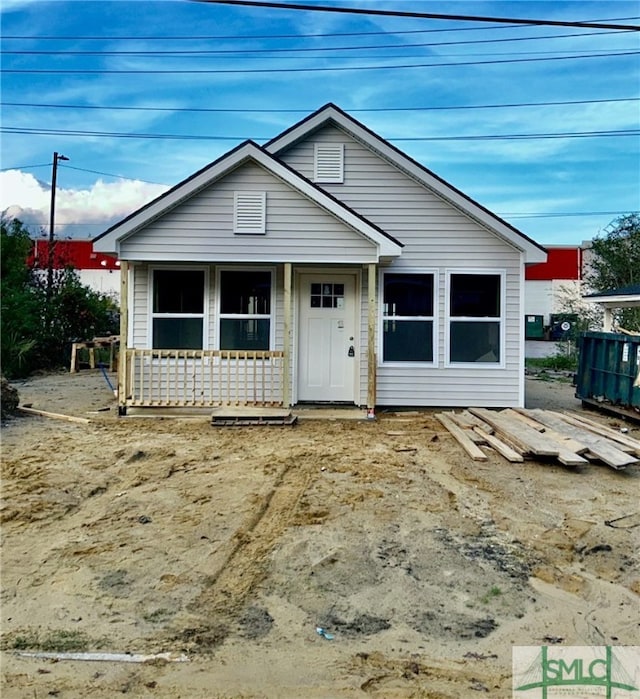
616	263
39	324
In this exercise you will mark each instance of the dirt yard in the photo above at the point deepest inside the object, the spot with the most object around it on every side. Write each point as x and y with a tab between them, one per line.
230	547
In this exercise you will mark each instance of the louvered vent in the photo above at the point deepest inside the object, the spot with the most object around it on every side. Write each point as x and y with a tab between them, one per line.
329	162
249	212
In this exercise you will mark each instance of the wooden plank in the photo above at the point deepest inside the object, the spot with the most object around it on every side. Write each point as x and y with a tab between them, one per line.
477	422
500	446
562	445
624	440
534	442
567	442
517	414
459	434
599	446
467	426
54	416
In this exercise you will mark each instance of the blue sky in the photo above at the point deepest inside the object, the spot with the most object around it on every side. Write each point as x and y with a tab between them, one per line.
139	95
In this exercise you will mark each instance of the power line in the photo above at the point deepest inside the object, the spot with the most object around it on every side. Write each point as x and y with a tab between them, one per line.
215	110
572	214
419	15
300	49
321	69
192	137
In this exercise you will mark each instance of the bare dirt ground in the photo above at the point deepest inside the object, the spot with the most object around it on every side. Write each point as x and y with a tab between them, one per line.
232	546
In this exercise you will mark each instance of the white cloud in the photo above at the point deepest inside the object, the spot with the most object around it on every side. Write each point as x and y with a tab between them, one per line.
24	197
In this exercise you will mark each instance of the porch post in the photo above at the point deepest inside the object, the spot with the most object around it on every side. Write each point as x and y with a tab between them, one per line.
371	340
124	333
286	368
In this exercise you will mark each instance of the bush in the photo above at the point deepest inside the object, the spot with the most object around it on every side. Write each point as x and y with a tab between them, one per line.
39	323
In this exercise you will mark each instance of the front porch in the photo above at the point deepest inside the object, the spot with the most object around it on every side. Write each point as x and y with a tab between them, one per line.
193	379
201	378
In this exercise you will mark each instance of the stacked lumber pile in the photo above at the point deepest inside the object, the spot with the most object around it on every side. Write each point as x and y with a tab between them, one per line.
569	438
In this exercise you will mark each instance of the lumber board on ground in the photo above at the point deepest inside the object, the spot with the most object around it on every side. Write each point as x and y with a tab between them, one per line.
500	446
477	422
459	434
54	416
534	442
517	415
623	439
468	427
565	440
599	446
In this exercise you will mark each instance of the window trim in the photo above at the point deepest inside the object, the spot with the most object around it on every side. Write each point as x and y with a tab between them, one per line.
434	319
151	315
339	152
244	316
501	320
260	202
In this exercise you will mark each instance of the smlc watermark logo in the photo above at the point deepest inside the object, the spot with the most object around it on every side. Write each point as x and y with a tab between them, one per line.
548	672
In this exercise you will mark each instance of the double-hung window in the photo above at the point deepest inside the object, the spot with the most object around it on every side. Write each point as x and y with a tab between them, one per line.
245	309
407	321
178	308
475	318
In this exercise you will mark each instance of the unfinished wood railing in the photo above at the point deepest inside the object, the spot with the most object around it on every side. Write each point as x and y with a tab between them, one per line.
203	378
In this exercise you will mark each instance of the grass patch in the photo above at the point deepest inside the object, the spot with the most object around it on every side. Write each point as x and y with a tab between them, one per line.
50	641
491	594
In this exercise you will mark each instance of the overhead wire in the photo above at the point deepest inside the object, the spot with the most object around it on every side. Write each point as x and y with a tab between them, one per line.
315	69
217	137
298	49
370	12
302	110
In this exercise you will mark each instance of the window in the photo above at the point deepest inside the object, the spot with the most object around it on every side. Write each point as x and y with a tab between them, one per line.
245	310
250	213
327	295
178	308
475	318
329	162
407	332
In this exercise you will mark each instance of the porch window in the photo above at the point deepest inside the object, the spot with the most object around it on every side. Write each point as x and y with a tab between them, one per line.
245	310
407	332
475	318
178	308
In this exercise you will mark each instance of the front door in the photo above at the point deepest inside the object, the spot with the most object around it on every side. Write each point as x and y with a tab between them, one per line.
327	338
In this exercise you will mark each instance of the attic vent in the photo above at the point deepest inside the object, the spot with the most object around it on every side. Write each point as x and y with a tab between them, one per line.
249	212
329	162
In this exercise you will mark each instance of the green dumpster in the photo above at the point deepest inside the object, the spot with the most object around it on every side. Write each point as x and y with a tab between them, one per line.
608	368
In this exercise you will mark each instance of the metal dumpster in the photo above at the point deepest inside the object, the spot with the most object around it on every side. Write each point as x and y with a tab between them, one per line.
608	369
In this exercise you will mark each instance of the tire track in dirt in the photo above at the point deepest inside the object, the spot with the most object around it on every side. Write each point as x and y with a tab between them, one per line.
247	562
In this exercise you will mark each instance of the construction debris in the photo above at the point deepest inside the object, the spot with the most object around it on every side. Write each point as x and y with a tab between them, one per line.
569	438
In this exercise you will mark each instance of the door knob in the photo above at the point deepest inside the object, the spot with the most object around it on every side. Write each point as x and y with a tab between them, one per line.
351	352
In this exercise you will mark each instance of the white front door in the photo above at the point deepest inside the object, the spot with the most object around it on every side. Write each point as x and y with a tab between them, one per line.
328	357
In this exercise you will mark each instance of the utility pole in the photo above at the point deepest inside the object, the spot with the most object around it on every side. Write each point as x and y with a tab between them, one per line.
52	217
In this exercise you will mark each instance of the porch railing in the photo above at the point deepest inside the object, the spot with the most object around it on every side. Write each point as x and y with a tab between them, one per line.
203	378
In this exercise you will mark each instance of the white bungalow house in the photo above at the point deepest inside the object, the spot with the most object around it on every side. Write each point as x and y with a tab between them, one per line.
325	266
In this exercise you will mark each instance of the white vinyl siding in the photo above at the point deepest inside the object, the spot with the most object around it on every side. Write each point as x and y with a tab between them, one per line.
436	236
328	162
200	229
249	213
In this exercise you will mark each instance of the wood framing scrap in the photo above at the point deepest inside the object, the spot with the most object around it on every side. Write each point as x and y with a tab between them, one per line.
569	439
54	416
463	439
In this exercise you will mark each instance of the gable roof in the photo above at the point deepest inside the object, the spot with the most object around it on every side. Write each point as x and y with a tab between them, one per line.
624	297
330	113
245	152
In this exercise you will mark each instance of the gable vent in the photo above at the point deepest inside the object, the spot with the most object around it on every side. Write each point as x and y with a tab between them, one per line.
329	162
249	212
